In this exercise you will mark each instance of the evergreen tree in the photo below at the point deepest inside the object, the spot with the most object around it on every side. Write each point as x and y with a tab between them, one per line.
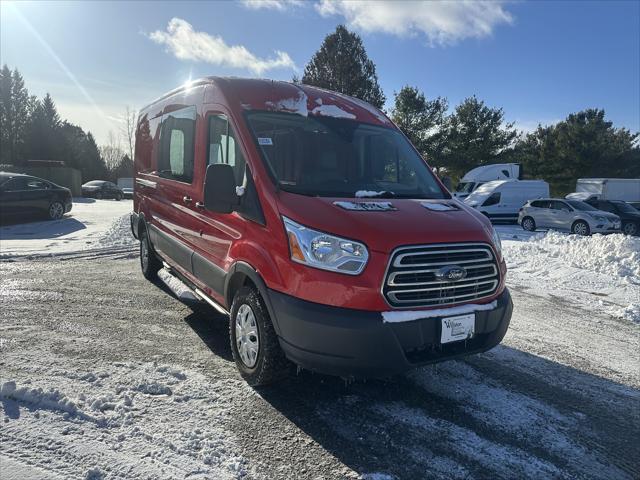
341	64
15	110
422	121
45	141
6	115
476	135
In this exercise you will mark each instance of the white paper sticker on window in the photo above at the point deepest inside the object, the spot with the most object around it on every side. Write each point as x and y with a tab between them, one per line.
264	141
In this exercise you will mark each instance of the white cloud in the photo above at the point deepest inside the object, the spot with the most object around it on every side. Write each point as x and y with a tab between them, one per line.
186	44
443	22
280	5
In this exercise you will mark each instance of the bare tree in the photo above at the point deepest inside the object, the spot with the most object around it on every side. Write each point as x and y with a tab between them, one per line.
128	130
112	152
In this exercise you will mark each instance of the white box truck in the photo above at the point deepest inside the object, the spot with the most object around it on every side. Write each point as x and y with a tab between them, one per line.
501	200
625	189
486	173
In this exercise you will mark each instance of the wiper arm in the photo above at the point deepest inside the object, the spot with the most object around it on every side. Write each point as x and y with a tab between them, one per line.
374	194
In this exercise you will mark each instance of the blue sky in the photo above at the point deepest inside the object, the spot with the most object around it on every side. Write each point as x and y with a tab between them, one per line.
540	61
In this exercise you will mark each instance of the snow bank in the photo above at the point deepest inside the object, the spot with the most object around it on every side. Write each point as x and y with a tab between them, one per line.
601	272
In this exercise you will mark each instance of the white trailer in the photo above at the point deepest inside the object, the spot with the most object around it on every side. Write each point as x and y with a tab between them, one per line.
626	189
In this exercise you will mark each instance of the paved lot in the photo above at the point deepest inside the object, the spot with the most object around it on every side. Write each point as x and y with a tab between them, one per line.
116	378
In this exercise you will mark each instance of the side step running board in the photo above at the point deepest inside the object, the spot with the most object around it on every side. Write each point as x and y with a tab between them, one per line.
190	288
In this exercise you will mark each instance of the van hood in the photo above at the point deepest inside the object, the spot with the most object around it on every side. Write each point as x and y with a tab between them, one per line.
386	224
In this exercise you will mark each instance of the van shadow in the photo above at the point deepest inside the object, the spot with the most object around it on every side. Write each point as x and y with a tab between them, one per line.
502	414
46	229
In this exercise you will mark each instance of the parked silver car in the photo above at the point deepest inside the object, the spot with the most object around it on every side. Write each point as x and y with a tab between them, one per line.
573	215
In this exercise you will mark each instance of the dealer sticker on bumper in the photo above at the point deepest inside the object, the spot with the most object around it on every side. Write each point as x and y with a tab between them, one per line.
458	328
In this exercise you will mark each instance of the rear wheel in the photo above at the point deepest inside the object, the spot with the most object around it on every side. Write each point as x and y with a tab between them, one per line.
254	342
99	195
581	228
56	210
149	262
529	224
630	228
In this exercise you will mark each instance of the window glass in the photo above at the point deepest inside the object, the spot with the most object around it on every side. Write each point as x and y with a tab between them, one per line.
555	205
493	199
540	204
223	147
622	207
33	184
606	206
579	205
18	183
337	157
177	139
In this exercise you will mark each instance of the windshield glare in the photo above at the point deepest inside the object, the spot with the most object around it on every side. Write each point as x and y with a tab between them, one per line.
334	157
578	205
465	187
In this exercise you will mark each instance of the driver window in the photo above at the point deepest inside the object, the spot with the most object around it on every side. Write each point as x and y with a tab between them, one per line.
494	199
223	147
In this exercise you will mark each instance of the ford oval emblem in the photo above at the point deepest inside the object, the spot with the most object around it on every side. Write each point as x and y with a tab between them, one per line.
451	273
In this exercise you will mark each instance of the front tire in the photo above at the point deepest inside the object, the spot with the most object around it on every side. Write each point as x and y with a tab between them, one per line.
581	228
118	197
149	262
98	196
630	228
529	224
254	343
56	211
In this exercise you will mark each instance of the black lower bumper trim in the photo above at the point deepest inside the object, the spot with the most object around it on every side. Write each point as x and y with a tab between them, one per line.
345	342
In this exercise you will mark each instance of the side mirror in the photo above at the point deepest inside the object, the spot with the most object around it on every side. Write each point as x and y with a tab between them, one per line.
220	189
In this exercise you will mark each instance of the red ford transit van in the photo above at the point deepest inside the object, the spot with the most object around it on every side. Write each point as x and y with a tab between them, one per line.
310	219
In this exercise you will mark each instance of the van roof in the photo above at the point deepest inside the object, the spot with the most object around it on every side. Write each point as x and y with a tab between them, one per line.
275	95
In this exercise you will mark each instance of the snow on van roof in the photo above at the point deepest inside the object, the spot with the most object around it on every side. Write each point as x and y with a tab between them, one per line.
279	96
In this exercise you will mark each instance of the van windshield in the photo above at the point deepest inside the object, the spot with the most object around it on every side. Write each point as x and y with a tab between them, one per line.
465	187
336	157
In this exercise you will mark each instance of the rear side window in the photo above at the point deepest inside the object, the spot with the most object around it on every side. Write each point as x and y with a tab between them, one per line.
177	141
494	199
15	184
224	148
540	204
555	205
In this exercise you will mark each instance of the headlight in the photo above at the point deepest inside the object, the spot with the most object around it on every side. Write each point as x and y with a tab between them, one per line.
321	250
496	241
599	218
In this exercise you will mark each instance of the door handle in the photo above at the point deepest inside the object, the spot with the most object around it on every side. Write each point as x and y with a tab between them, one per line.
200	205
186	199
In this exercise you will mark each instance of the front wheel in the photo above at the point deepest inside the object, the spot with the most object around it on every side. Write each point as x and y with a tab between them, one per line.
99	196
630	228
581	228
254	342
56	211
118	196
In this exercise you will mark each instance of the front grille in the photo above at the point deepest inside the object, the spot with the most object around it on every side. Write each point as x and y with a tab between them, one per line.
412	276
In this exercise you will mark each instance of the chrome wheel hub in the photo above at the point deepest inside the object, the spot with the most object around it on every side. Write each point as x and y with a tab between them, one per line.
581	229
247	335
56	210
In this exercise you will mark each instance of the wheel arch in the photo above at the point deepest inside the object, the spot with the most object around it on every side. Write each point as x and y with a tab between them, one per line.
241	274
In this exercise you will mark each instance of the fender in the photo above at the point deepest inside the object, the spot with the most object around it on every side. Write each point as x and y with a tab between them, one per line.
246	269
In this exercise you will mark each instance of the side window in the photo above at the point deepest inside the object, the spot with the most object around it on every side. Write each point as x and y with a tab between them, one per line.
177	142
607	207
493	199
223	147
538	204
560	206
36	185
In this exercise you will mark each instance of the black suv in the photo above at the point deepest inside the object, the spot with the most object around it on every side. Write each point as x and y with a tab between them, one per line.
102	189
629	216
24	195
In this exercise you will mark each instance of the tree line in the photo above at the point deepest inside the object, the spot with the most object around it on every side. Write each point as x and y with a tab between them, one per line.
453	141
584	144
31	129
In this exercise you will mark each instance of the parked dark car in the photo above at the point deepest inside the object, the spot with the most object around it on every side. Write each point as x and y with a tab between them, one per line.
24	195
630	216
102	189
635	205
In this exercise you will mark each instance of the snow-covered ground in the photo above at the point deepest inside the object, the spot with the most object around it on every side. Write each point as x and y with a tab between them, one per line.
92	225
99	382
600	273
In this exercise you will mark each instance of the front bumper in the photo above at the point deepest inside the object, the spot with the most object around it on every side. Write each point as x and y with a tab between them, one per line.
68	205
345	342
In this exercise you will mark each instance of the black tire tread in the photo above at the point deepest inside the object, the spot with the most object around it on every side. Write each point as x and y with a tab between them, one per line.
154	264
272	364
